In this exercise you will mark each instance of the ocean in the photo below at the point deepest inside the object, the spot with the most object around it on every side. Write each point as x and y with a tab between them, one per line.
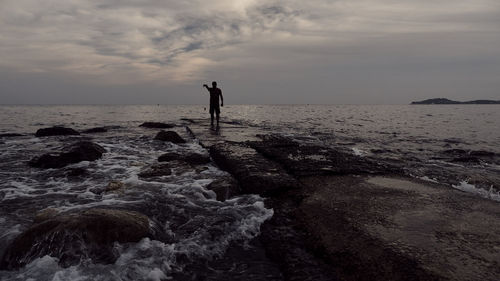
455	145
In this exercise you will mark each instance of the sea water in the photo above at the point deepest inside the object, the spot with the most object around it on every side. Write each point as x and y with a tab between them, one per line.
202	230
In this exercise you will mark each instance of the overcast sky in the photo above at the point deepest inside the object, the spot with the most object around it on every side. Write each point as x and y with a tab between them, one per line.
279	52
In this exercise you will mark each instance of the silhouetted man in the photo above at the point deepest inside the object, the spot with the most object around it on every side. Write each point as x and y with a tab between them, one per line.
214	101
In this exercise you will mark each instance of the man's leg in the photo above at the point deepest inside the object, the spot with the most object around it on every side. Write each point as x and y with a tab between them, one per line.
217	112
211	115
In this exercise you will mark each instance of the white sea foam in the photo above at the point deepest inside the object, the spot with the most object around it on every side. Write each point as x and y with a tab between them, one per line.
358	152
467	187
426	178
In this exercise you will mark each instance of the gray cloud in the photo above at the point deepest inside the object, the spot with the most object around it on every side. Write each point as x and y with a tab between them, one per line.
356	51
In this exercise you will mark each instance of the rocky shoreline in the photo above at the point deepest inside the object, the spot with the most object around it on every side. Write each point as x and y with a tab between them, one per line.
342	217
337	216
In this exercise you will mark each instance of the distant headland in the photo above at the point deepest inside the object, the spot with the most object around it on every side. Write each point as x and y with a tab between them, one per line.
447	101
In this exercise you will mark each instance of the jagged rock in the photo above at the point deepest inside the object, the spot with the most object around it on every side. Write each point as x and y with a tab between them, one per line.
170	136
80	151
157	125
95	130
55	131
224	188
77	236
188	157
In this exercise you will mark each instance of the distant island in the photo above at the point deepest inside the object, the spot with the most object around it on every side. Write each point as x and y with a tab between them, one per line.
447	101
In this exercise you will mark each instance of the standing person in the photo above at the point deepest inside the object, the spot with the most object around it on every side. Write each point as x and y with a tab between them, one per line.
214	101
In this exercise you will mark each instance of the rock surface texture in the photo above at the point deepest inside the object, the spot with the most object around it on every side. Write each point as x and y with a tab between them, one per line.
188	157
338	216
170	136
77	236
80	151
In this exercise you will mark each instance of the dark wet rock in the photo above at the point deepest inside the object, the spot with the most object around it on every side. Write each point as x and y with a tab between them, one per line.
55	131
95	130
188	120
453	141
156	171
76	172
156	125
455	151
392	228
75	237
80	151
170	136
224	188
468	156
10	135
111	186
379	150
114	185
305	159
45	214
254	173
466	159
481	153
188	157
288	243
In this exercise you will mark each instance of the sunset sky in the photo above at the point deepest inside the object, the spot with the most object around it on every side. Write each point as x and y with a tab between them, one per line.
260	52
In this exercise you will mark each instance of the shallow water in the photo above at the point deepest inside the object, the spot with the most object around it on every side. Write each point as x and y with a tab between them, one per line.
199	230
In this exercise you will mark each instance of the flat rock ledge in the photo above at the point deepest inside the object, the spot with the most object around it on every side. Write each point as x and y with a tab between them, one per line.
255	173
75	237
338	216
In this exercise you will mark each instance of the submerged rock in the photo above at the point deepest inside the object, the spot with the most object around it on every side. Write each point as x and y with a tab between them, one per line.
10	135
170	136
45	214
112	186
156	171
157	125
80	151
55	131
96	130
75	237
190	158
